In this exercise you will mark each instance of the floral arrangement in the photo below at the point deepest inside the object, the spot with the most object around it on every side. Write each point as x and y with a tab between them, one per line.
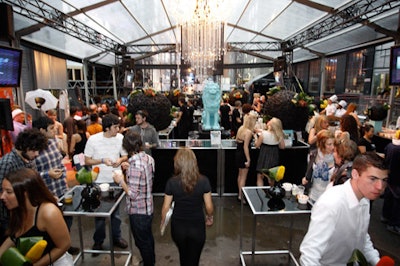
273	90
135	92
358	258
173	110
84	176
28	251
276	173
176	92
237	95
323	104
383	91
149	92
280	105
377	112
225	96
302	99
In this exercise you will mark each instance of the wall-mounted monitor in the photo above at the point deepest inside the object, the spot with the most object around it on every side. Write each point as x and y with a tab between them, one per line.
394	73
10	66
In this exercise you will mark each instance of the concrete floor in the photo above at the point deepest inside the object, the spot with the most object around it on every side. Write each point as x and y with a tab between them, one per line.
222	245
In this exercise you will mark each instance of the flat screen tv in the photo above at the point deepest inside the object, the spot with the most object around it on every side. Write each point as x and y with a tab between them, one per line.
394	73
10	66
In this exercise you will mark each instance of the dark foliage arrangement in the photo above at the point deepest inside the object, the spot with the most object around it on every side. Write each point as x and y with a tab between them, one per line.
156	104
280	105
377	112
238	94
173	96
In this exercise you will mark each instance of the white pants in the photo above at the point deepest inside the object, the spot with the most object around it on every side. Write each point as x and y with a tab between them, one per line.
64	260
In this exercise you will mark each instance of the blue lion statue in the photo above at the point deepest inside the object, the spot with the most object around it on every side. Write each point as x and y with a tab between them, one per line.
211	102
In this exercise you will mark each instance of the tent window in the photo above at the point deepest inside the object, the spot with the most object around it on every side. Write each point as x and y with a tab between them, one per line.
315	70
330	73
354	72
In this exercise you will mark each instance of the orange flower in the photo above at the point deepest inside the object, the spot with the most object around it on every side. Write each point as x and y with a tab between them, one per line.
150	92
176	92
238	95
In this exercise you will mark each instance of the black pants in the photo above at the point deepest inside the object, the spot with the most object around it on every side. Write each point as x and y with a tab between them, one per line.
189	237
143	235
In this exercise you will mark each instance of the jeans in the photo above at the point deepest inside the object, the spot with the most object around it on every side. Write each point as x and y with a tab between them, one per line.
68	221
100	225
391	206
143	235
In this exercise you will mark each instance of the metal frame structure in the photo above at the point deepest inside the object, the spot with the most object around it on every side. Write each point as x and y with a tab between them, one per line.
356	13
50	16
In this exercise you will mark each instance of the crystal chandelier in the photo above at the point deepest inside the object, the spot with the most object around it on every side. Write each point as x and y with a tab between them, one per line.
202	37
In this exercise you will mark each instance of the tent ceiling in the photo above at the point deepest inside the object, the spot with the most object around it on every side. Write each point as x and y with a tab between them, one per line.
97	30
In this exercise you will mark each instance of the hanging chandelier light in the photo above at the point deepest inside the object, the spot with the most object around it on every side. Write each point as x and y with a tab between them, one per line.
202	41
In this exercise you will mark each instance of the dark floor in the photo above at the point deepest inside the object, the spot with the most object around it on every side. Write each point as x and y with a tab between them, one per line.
222	245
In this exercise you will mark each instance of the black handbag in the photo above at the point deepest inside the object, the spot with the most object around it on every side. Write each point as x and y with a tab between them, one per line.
309	171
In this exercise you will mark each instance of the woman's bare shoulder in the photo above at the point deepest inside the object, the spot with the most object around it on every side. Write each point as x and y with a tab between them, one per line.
48	210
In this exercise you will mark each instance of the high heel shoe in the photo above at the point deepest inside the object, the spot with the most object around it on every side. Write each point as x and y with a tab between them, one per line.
240	200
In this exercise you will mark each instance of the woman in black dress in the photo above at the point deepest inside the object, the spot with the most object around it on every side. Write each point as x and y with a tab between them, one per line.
243	144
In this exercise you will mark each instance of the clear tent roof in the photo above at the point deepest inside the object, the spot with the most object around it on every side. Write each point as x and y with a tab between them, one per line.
97	30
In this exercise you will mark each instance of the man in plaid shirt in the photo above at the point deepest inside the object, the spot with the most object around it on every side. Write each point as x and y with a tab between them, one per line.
139	199
27	146
49	162
49	165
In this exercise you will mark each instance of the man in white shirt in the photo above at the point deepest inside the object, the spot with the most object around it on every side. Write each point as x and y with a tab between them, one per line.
105	150
340	111
331	108
340	218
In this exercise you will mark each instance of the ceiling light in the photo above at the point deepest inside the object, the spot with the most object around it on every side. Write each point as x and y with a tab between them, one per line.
202	36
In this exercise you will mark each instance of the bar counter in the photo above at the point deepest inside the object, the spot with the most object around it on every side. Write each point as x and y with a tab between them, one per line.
217	162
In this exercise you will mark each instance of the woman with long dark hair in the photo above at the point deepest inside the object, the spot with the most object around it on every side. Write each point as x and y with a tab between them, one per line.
191	191
34	213
349	124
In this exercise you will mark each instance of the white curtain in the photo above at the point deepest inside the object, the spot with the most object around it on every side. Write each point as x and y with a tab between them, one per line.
51	72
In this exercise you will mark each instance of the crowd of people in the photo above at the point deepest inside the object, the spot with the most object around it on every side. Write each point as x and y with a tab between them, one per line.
342	161
344	170
99	136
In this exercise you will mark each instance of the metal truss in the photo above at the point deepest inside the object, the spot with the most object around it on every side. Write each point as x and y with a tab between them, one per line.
45	14
149	48
255	46
359	12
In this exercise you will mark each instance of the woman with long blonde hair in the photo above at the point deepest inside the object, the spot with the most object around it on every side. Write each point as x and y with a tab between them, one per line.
243	146
321	122
190	191
269	141
321	165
